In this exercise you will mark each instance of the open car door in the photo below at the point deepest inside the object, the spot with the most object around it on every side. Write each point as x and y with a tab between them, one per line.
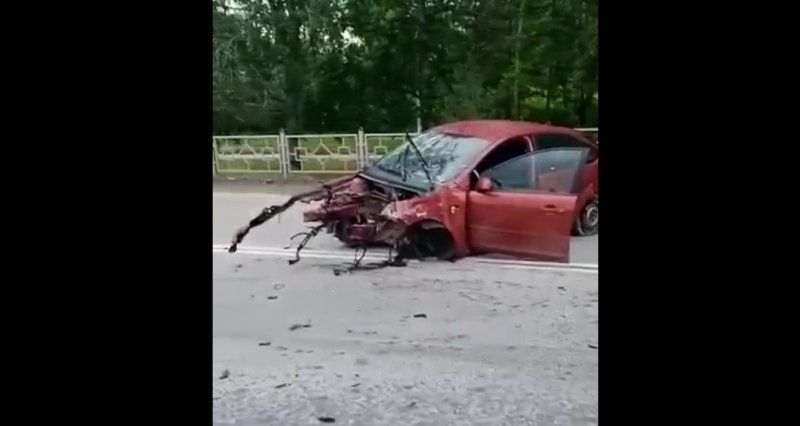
525	206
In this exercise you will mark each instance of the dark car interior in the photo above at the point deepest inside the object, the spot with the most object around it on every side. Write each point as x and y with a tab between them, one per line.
507	150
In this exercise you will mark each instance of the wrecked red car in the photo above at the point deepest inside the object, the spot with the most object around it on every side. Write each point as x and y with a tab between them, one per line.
464	188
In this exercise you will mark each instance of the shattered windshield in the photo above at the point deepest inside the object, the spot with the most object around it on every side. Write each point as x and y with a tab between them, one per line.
446	156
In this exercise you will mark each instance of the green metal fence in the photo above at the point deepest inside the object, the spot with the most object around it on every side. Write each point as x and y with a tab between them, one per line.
319	154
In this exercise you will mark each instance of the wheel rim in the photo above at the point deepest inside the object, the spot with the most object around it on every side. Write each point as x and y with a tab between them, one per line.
591	216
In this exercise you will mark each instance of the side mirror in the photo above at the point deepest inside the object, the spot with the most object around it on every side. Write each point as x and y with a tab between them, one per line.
484	184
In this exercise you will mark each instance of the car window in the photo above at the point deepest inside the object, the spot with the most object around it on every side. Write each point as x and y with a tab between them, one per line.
514	174
552	170
553	141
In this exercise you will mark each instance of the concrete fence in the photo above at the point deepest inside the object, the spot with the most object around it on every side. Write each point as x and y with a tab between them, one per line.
321	154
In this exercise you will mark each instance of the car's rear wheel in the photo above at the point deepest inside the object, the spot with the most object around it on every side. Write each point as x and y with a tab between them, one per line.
587	220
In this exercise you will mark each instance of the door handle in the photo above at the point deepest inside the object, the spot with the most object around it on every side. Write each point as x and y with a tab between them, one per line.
550	208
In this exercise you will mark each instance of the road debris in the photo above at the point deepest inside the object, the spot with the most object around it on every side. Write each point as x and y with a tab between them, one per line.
294	327
282	385
272	297
362	213
592	346
264	343
225	375
326	419
307	236
278	286
420	316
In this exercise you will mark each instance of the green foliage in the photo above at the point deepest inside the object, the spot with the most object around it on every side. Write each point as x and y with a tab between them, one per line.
336	65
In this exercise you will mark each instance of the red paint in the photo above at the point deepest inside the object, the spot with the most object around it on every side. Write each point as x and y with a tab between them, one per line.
520	224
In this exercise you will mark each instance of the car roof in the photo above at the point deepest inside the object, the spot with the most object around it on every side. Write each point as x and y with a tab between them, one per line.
496	131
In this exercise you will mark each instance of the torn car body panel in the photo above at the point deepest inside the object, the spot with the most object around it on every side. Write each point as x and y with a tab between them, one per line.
440	209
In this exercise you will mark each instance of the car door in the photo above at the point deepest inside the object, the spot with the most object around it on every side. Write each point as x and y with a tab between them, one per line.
528	211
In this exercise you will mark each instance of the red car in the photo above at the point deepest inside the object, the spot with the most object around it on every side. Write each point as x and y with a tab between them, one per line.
464	188
471	187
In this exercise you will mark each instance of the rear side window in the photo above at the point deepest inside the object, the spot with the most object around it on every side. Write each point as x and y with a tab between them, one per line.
551	141
554	141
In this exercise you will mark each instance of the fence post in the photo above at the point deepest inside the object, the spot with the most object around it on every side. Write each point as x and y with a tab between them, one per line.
283	151
216	163
361	148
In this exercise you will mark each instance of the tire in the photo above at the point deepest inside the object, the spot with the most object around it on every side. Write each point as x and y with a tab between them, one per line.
425	243
586	221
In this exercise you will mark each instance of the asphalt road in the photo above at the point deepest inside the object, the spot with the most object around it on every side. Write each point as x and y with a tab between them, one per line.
296	345
234	206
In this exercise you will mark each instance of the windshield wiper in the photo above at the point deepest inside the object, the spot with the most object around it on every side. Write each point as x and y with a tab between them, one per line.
403	167
421	159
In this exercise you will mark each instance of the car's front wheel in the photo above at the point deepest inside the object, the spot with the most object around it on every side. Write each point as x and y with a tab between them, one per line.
587	220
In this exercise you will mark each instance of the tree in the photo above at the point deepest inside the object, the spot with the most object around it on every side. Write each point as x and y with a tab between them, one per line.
335	65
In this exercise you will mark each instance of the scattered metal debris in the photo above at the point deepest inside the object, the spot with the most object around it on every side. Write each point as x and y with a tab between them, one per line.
272	297
264	343
362	213
282	385
225	375
412	404
308	236
592	346
420	316
326	419
355	385
294	327
271	211
356	265
562	288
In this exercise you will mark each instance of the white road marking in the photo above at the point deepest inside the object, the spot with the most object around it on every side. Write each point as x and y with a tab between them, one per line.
587	268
